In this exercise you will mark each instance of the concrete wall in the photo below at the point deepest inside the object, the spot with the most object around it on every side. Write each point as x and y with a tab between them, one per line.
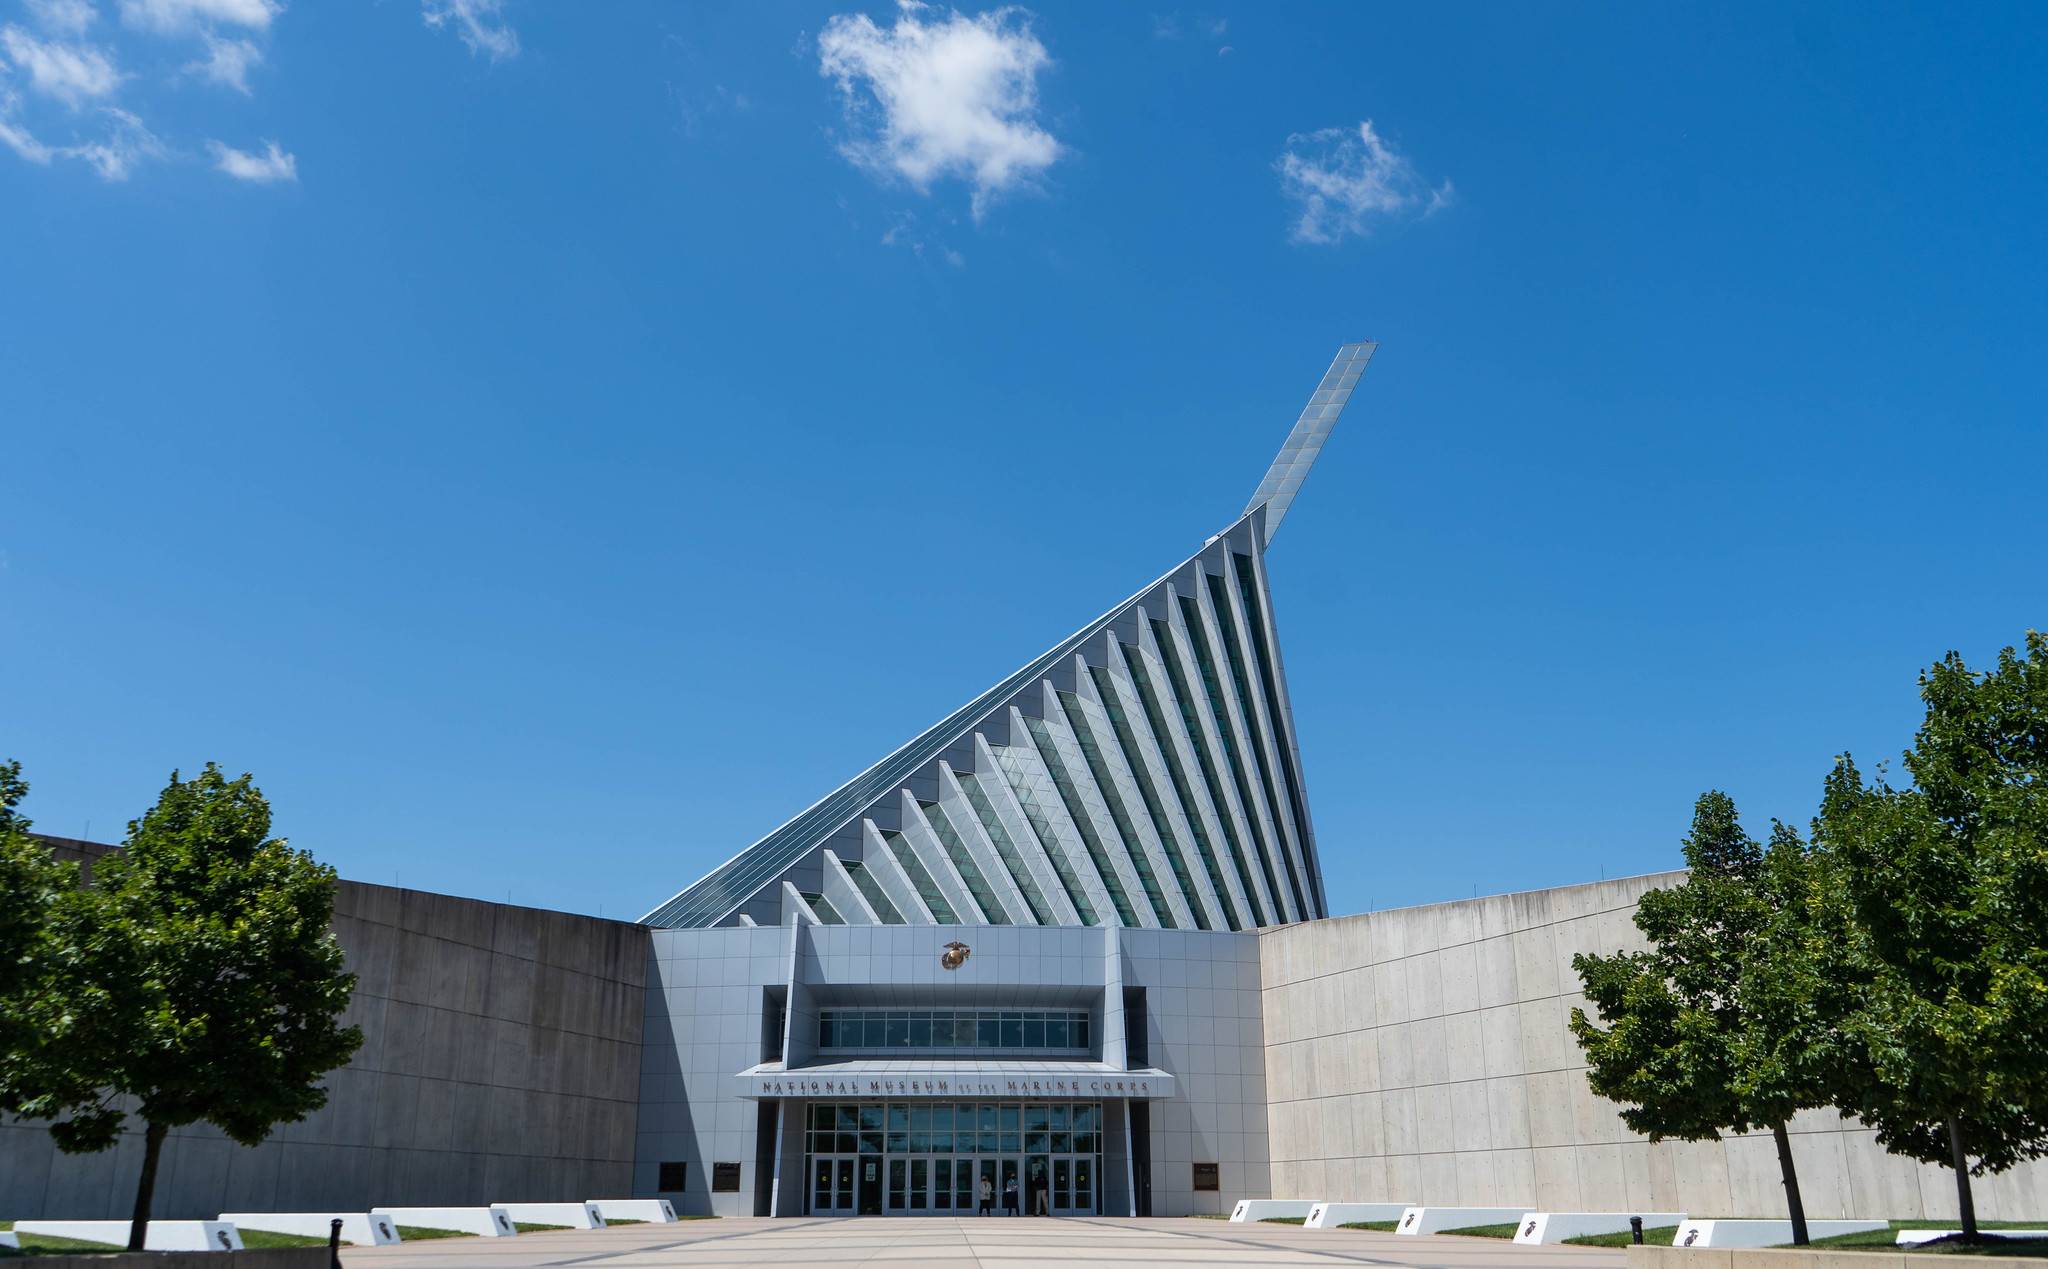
1421	1056
501	1062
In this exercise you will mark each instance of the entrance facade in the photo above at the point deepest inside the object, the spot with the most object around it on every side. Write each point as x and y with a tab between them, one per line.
930	1158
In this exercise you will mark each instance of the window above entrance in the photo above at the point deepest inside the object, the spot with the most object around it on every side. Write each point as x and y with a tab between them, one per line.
952	1029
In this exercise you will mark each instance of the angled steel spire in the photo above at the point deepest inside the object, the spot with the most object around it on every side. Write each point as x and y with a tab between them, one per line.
1143	772
1284	477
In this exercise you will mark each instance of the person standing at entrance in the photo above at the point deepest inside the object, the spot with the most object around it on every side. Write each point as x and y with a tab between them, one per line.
1041	1195
1010	1197
988	1197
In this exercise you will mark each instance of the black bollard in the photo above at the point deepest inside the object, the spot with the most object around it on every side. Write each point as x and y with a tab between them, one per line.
1635	1229
334	1243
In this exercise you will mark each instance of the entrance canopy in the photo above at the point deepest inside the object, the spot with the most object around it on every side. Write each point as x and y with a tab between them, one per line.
952	1080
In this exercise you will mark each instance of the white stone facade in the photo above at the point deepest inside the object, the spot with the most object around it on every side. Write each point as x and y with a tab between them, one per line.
716	998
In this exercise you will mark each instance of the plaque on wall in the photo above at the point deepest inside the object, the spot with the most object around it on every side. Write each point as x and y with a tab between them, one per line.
725	1178
1206	1178
673	1176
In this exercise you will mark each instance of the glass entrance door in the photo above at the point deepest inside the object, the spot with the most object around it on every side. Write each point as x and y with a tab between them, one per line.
917	1159
832	1186
1037	1185
952	1186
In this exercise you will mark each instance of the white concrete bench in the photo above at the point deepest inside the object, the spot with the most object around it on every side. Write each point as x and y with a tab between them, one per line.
1430	1220
1331	1215
1555	1227
656	1211
571	1215
490	1222
1763	1233
358	1228
1266	1209
10	1240
162	1236
1914	1237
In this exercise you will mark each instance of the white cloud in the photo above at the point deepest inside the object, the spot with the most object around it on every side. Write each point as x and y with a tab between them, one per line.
227	62
958	96
1345	177
68	16
115	155
478	23
72	73
167	17
51	59
126	144
271	166
1168	26
904	232
16	137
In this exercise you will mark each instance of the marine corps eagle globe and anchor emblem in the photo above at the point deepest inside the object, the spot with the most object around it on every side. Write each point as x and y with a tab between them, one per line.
954	956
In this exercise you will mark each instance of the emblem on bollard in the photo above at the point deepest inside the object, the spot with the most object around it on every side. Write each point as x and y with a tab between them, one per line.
954	956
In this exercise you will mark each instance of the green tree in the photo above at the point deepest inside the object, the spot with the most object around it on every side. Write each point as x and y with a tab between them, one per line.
206	984
42	1075
1727	1023
30	884
1948	883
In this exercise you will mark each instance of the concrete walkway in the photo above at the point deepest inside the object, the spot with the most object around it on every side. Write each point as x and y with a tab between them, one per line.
938	1242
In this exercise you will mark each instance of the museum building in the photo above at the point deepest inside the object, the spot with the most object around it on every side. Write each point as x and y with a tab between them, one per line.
946	974
1066	952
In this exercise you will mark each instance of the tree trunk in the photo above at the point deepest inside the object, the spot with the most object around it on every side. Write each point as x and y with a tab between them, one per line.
1964	1203
1792	1201
145	1190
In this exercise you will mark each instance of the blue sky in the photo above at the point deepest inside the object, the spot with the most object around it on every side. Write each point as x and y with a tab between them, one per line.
550	445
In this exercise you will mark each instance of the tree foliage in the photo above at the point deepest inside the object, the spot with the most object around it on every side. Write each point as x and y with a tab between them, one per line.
1947	881
1723	1026
199	979
1727	1024
1895	970
25	896
38	1078
29	884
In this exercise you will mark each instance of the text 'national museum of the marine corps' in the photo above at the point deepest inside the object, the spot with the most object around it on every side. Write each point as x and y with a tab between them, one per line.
1070	944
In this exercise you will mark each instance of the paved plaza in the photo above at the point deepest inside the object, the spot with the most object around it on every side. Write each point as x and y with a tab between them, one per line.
963	1242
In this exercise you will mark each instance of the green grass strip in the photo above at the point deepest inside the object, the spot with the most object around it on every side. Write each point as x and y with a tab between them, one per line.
421	1233
1654	1235
50	1242
1657	1235
1485	1231
254	1238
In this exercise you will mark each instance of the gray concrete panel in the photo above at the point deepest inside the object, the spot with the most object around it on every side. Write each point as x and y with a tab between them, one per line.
495	1038
1422	1055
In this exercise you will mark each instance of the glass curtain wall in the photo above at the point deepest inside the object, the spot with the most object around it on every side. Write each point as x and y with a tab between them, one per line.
932	1158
